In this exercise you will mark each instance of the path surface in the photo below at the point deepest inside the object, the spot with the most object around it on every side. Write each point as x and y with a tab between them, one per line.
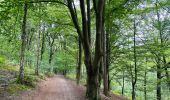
58	88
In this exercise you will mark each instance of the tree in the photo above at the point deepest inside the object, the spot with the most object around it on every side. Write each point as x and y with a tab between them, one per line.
23	45
92	65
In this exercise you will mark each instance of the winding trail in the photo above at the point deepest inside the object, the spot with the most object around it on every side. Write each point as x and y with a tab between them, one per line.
58	88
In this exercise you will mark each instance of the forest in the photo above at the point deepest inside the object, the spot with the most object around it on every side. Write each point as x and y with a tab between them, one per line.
84	49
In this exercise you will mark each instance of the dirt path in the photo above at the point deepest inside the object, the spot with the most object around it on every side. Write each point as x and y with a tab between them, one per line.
57	88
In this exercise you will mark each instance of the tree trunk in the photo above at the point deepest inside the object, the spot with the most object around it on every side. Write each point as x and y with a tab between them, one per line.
108	51
145	80
92	65
78	75
42	44
134	79
38	51
23	45
92	92
133	91
123	83
105	71
159	59
158	82
51	40
50	59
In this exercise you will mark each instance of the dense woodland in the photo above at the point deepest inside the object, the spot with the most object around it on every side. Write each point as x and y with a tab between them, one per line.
113	46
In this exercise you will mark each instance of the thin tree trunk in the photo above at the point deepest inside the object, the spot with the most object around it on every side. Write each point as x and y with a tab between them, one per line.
38	53
43	44
50	59
135	61
145	80
158	82
123	83
23	45
105	72
108	55
78	75
159	59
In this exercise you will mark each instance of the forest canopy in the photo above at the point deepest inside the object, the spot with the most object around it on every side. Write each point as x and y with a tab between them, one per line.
113	46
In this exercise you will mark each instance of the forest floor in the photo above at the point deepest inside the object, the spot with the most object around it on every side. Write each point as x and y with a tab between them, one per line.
57	88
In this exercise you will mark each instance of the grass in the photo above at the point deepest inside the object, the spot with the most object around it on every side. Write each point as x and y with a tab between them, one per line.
72	76
8	68
15	88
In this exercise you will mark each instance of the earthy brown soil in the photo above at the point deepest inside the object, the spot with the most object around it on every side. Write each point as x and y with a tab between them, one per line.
57	88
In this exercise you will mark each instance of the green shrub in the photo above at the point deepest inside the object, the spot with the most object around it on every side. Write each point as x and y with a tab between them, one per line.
2	60
8	68
42	76
14	88
49	74
29	70
29	80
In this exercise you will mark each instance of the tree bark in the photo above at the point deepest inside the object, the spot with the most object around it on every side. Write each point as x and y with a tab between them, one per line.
79	62
145	81
42	44
158	82
92	65
105	71
159	58
134	79
38	51
123	83
23	45
51	53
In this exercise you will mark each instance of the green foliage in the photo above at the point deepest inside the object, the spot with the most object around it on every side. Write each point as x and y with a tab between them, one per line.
42	76
9	68
49	74
15	88
2	60
30	80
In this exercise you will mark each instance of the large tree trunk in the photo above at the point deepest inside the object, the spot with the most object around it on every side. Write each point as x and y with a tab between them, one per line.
92	65
78	75
92	92
23	45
